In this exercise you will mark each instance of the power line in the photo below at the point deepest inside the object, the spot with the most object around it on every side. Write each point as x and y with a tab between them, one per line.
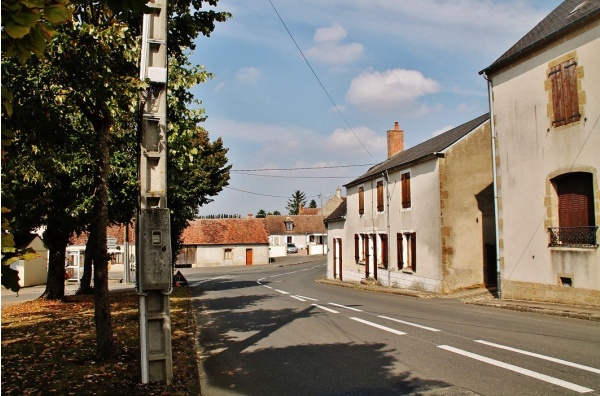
320	83
266	195
299	168
297	177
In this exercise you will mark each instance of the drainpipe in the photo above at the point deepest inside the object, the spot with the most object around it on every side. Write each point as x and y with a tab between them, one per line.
490	87
389	236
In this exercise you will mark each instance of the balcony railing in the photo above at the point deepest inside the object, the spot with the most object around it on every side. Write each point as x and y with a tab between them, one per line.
573	236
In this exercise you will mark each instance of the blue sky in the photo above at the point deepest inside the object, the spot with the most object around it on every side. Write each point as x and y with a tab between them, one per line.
377	62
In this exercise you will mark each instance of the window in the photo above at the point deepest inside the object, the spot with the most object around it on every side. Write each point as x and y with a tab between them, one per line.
400	250
380	196
407	242
384	251
311	238
228	254
565	101
361	200
289	224
575	193
289	239
405	180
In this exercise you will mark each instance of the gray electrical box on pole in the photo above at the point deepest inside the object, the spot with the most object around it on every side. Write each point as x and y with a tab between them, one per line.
154	273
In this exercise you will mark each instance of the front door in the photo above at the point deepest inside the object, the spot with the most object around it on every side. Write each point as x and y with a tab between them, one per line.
248	256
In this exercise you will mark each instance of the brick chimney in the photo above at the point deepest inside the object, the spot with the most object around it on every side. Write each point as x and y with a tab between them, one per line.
395	140
338	192
250	215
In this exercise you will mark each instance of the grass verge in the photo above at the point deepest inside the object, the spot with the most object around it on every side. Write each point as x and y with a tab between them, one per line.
48	348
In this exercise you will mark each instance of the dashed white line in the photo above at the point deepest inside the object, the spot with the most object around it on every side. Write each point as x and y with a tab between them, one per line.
551	359
343	306
389	329
307	298
409	323
298	298
325	308
520	370
281	291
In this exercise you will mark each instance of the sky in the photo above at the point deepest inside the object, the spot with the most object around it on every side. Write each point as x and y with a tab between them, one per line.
304	92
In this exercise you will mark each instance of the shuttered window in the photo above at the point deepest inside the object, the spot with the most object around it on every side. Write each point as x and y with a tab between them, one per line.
405	180
384	251
400	250
380	196
575	200
361	200
565	101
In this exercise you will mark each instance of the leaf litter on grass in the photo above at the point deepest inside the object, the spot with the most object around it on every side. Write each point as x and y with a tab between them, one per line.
48	347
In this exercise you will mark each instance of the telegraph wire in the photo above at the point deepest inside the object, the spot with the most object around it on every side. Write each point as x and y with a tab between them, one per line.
297	177
299	168
266	195
320	83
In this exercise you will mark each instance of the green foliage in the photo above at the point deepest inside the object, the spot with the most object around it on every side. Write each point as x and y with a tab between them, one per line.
312	204
293	205
261	214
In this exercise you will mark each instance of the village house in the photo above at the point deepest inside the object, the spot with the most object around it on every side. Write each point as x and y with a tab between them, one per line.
222	242
545	106
307	232
421	219
33	268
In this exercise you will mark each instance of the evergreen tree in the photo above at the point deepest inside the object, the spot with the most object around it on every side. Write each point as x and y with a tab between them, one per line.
298	199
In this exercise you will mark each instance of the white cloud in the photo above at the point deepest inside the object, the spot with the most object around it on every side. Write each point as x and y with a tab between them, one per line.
247	74
330	49
347	141
389	89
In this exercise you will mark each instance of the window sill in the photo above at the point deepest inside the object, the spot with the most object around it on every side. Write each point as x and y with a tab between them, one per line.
573	248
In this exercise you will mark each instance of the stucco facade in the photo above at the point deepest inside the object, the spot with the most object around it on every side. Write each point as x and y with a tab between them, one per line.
533	152
437	241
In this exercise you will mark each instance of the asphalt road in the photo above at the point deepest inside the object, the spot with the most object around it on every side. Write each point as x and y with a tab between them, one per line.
271	330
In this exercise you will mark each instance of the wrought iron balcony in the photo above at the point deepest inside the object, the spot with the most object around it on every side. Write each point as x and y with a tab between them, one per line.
573	236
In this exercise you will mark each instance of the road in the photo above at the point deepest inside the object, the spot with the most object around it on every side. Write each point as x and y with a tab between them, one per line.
270	330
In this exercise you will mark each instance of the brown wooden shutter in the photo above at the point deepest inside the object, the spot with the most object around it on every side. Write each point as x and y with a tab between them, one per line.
413	251
356	248
555	76
366	254
575	200
361	200
400	254
405	179
380	196
384	251
571	100
341	250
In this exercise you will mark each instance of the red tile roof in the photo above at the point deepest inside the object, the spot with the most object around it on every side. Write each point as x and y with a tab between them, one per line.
116	231
225	232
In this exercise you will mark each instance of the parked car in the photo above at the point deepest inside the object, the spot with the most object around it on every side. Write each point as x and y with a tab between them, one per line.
291	248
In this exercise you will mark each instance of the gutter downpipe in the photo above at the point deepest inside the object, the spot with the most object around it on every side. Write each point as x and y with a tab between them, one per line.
389	236
490	87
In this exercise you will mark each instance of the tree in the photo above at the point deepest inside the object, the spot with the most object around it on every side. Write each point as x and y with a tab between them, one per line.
261	214
298	199
312	204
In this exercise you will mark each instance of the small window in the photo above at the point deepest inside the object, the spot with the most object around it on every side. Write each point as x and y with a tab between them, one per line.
380	206
289	239
565	101
228	254
575	211
361	200
289	224
405	180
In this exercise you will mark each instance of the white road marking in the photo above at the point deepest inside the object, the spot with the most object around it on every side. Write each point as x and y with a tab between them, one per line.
298	298
281	291
409	323
211	279
343	306
520	370
398	332
307	298
268	287
551	359
324	308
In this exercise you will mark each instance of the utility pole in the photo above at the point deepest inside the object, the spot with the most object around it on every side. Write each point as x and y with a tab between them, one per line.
154	277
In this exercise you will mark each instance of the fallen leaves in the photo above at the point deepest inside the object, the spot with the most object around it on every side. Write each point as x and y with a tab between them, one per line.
48	347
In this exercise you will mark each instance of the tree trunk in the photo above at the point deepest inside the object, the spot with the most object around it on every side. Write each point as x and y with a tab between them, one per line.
105	348
85	283
56	240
